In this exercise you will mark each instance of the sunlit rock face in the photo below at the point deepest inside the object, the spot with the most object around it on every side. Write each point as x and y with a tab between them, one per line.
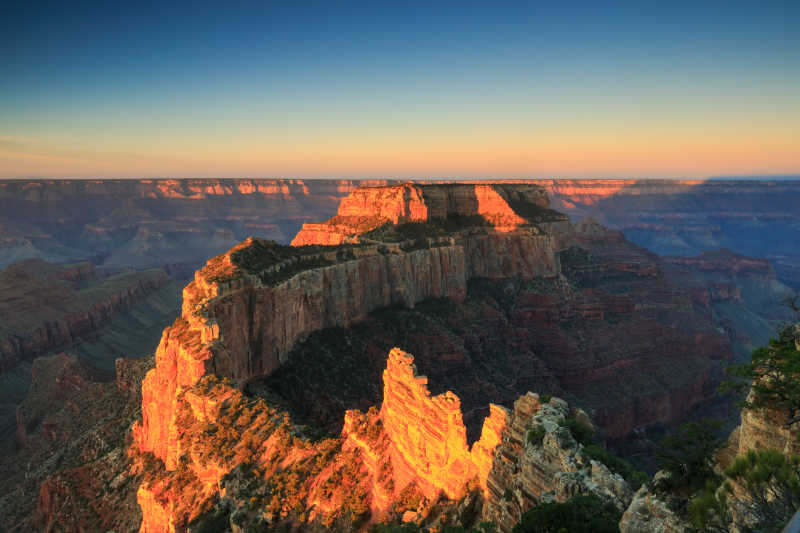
369	207
427	434
247	308
413	447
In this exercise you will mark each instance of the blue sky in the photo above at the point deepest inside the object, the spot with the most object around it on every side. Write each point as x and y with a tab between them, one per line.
378	89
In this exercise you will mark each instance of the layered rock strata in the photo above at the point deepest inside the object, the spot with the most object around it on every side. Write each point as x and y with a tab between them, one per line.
247	308
47	307
415	446
538	460
370	207
70	470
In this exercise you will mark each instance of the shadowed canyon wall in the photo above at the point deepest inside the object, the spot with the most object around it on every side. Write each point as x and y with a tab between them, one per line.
685	217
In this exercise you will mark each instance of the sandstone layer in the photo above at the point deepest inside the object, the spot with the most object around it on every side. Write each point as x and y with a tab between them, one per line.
552	467
47	307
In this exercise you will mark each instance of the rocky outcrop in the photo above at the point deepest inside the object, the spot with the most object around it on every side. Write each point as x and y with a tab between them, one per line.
70	470
242	462
45	307
428	439
247	308
370	207
413	447
538	460
247	328
766	428
649	512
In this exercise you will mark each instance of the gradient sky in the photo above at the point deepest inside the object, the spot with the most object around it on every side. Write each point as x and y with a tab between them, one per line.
436	89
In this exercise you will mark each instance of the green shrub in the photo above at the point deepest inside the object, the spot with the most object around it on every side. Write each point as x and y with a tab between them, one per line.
545	398
771	486
772	374
580	431
708	511
535	435
584	513
687	455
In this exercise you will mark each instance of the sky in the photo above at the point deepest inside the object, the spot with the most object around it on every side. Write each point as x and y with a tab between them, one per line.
399	89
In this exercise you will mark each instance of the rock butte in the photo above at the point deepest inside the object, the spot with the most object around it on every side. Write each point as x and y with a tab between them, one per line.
367	208
238	324
235	325
246	309
414	445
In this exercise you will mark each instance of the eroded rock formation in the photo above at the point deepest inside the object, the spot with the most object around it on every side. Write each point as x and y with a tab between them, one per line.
244	461
70	470
540	461
428	439
370	207
46	307
247	309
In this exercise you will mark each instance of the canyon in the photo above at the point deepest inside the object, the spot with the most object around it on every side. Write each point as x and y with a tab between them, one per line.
247	310
174	225
177	224
49	308
272	401
756	218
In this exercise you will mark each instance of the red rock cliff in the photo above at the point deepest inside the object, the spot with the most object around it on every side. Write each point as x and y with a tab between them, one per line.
427	434
241	323
414	446
369	207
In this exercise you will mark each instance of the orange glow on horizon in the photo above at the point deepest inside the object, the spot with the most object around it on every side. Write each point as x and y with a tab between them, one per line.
457	156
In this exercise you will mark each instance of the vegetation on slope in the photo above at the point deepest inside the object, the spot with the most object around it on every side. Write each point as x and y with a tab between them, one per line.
583	513
772	374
